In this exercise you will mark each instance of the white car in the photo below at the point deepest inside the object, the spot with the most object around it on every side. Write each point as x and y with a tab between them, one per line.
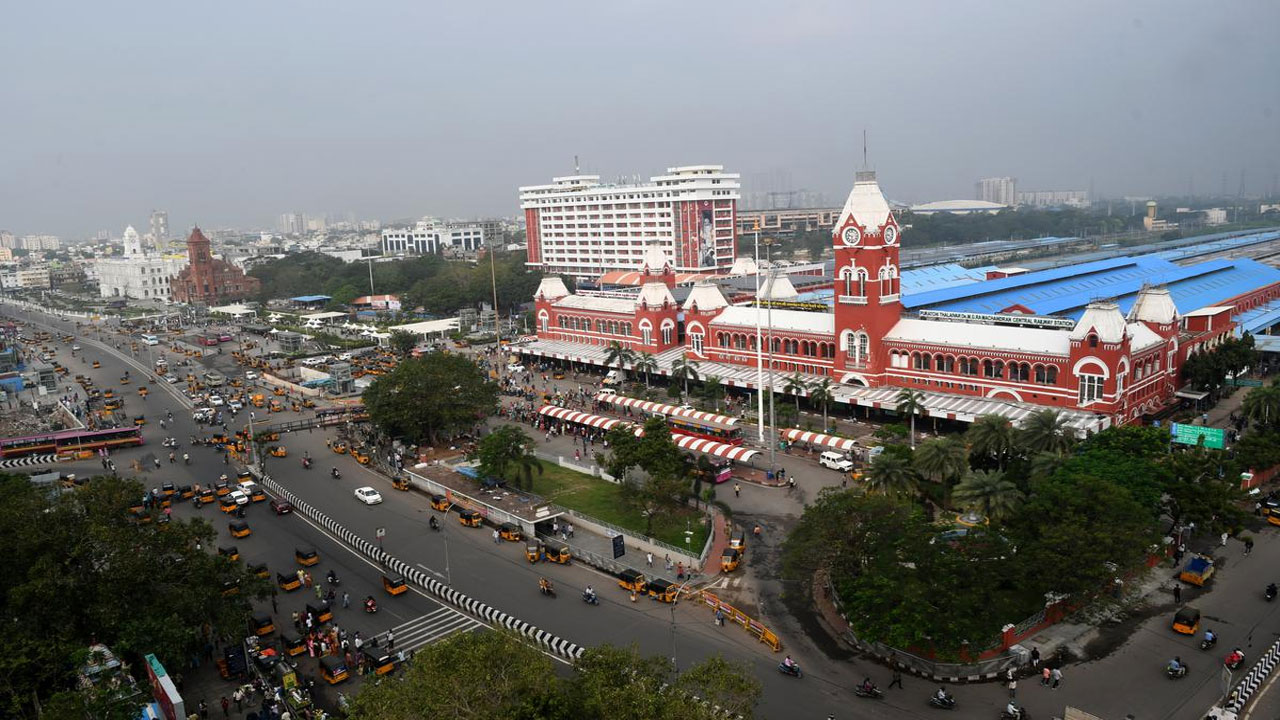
215	400
235	405
515	367
368	496
75	348
173	379
239	496
251	375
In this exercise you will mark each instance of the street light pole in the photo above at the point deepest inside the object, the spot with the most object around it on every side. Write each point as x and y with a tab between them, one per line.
759	342
773	424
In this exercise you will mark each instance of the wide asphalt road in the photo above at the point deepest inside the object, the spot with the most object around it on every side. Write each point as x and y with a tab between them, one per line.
1128	680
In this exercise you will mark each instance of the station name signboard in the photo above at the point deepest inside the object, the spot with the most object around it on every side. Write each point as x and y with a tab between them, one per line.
1184	434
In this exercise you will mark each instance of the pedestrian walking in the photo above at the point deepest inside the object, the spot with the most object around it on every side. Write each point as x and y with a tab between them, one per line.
719	617
1045	675
1248	546
897	678
1035	658
569	527
297	621
496	538
1013	688
1177	593
1057	677
648	558
346	599
319	592
737	489
238	696
391	641
1224	540
204	710
226	707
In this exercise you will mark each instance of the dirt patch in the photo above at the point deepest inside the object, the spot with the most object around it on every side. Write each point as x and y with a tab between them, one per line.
1113	633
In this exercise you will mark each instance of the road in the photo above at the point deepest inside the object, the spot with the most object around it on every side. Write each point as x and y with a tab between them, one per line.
1126	680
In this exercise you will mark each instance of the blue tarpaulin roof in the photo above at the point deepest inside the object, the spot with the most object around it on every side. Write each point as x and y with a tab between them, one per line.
310	298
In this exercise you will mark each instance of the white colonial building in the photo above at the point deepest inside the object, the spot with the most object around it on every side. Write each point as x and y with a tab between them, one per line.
137	275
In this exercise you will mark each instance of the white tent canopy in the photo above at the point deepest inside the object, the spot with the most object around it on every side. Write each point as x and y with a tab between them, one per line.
430	327
236	310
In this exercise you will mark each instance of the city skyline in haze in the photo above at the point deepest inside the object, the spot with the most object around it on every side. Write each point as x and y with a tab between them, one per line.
233	114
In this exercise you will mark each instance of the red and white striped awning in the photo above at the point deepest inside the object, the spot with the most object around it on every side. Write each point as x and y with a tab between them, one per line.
804	436
581	418
736	453
662	409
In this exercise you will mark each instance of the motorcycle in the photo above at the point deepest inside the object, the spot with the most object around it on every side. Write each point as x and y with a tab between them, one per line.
1207	643
306	463
1021	714
1234	660
1175	673
186	458
371	606
590	598
332	579
335	474
793	669
547	590
434	525
947	703
1270	592
874	693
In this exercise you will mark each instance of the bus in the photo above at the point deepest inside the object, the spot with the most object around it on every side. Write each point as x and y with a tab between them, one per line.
70	441
704	430
150	340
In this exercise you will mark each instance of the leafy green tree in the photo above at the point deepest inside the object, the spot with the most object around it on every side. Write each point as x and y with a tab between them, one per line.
992	437
615	353
402	342
344	295
891	474
820	392
506	449
430	398
654	452
989	494
1047	431
77	576
646	363
1132	440
620	683
910	403
796	386
942	460
683	370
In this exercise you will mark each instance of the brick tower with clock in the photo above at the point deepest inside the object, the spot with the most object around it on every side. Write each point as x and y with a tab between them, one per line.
867	290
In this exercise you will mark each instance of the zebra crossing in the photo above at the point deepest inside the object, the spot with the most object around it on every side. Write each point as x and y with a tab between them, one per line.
28	461
429	628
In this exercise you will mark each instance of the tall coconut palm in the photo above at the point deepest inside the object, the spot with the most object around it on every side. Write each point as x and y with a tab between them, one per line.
795	385
615	353
910	403
526	466
988	493
1262	405
941	460
645	363
820	392
713	390
1046	431
684	371
1043	465
891	474
991	436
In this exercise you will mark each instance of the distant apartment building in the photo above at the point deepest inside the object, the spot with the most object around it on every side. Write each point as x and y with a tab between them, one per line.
8	240
431	237
582	227
159	228
1002	190
33	277
41	242
787	222
1054	198
1215	216
6	254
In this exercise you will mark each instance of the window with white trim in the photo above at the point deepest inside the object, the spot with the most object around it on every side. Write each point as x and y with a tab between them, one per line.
1090	388
695	341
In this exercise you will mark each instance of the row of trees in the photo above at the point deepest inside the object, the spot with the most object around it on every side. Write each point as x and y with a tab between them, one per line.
77	570
496	675
1056	518
431	398
1209	370
437	285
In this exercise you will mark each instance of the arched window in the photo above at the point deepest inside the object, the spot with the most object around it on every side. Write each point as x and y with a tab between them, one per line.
1039	374
695	341
862	282
1051	374
1093	340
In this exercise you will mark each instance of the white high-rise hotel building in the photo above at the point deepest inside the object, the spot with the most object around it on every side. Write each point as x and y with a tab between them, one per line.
581	227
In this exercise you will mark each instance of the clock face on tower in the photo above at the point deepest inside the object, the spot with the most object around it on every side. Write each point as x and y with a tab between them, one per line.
851	236
890	235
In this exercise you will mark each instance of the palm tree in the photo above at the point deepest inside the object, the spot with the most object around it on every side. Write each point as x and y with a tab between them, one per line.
526	466
988	493
1043	465
910	403
645	363
617	353
1046	431
713	390
891	474
991	436
796	386
820	392
942	460
1262	405
684	371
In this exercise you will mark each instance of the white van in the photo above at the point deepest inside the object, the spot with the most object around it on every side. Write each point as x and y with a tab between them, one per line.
613	378
835	461
150	340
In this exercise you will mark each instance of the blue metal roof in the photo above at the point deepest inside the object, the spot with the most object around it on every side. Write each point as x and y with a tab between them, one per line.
310	298
1258	319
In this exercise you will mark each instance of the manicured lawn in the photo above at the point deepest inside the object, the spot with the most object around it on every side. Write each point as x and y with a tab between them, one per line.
603	500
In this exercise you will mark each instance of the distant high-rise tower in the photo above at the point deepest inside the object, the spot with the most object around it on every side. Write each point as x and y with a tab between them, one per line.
160	228
1003	190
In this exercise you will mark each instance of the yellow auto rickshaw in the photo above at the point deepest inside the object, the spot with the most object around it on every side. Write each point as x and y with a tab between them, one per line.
168	490
306	556
1186	621
1273	517
205	497
738	540
1199	569
124	380
470	518
221	487
139	420
239	529
278	391
260	570
663	590
230	587
632	580
257	495
339	448
532	551
275	407
108	394
333	670
440	502
730	559
262	625
186	492
143	391
308	403
96	364
288	582
360	456
394	585
292	645
400	483
243	476
321	612
510	532
556	552
227	504
278	451
230	552
379	662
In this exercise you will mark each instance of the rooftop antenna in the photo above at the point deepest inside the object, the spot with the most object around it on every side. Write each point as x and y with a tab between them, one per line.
576	169
864	149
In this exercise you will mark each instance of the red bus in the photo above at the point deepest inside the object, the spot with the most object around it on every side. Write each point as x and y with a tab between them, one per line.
704	430
70	441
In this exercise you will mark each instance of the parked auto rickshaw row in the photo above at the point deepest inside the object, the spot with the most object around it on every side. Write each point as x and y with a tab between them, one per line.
659	589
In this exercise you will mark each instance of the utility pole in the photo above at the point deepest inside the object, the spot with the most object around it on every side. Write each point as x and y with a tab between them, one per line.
759	342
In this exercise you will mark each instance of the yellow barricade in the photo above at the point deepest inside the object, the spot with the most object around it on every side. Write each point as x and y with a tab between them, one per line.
757	630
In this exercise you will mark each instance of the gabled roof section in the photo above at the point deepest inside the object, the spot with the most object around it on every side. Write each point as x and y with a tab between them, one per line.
1142	337
986	337
655	260
551	288
655	294
779	288
1104	318
744	265
706	296
865	205
1153	305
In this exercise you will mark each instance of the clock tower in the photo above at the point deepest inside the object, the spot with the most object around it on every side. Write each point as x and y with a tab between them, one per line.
867	286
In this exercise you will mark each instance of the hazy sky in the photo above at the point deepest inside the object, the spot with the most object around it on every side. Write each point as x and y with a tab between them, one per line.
230	113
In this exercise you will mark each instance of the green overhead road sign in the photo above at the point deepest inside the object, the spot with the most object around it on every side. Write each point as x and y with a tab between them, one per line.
1183	434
